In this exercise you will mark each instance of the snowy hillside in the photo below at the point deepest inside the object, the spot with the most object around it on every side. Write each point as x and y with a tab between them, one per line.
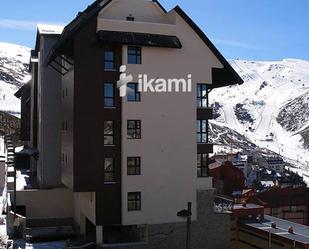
270	108
14	60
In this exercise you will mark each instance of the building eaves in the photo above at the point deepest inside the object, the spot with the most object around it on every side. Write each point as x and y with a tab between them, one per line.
221	76
74	26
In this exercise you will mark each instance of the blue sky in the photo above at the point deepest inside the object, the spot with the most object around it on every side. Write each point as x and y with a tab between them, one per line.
255	29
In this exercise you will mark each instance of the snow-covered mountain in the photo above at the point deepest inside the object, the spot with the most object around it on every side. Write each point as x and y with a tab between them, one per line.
269	112
271	108
14	60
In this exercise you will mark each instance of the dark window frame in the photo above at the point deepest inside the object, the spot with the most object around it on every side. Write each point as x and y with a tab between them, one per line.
136	167
112	135
201	131
202	165
107	60
136	130
134	53
200	98
107	98
136	96
108	173
134	201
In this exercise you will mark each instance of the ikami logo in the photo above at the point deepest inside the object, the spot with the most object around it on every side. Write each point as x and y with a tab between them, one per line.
124	79
158	85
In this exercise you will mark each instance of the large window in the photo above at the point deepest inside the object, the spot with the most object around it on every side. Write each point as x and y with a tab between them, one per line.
135	95
109	95
109	59
201	93
134	165
134	129
109	170
108	132
134	201
134	55
202	165
202	131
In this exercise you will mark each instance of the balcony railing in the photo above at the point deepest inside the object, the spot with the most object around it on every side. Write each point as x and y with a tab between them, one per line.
223	205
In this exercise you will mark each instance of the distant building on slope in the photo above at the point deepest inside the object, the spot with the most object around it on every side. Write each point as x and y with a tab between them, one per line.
274	163
226	178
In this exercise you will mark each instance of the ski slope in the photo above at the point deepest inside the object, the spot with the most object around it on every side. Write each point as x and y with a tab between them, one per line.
268	87
14	61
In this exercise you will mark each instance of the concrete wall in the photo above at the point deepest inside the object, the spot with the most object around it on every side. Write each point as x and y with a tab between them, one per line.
210	231
49	119
141	10
46	204
84	206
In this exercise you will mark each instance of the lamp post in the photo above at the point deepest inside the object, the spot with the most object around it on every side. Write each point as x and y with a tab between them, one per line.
187	213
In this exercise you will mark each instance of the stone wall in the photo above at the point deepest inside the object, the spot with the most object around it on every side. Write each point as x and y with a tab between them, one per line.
210	231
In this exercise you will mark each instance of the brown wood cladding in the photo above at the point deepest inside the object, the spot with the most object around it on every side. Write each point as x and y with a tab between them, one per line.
83	142
35	105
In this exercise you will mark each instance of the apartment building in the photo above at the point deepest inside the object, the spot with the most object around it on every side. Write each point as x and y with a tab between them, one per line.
132	163
40	195
276	164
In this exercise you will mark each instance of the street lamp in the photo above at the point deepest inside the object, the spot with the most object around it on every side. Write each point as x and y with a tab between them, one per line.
186	213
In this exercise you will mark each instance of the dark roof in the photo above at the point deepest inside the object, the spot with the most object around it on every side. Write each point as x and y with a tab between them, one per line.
160	6
75	25
24	91
141	39
221	76
301	233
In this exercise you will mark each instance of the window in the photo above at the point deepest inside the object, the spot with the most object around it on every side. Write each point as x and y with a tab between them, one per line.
134	129
134	55
134	201
274	211
109	95
108	132
134	165
202	131
135	95
109	170
64	126
202	165
109	59
201	92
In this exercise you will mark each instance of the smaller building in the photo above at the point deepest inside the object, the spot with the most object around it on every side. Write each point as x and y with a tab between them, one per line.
239	160
226	177
286	203
251	228
272	163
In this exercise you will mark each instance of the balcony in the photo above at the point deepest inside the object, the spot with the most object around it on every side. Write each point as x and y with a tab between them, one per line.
204	113
204	148
223	205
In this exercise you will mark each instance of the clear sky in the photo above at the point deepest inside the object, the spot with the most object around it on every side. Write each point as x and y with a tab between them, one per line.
244	29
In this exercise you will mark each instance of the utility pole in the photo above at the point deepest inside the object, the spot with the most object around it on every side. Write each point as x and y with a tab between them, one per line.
187	213
188	243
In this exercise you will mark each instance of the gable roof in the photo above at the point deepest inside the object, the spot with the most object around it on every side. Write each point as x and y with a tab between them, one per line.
75	25
221	76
